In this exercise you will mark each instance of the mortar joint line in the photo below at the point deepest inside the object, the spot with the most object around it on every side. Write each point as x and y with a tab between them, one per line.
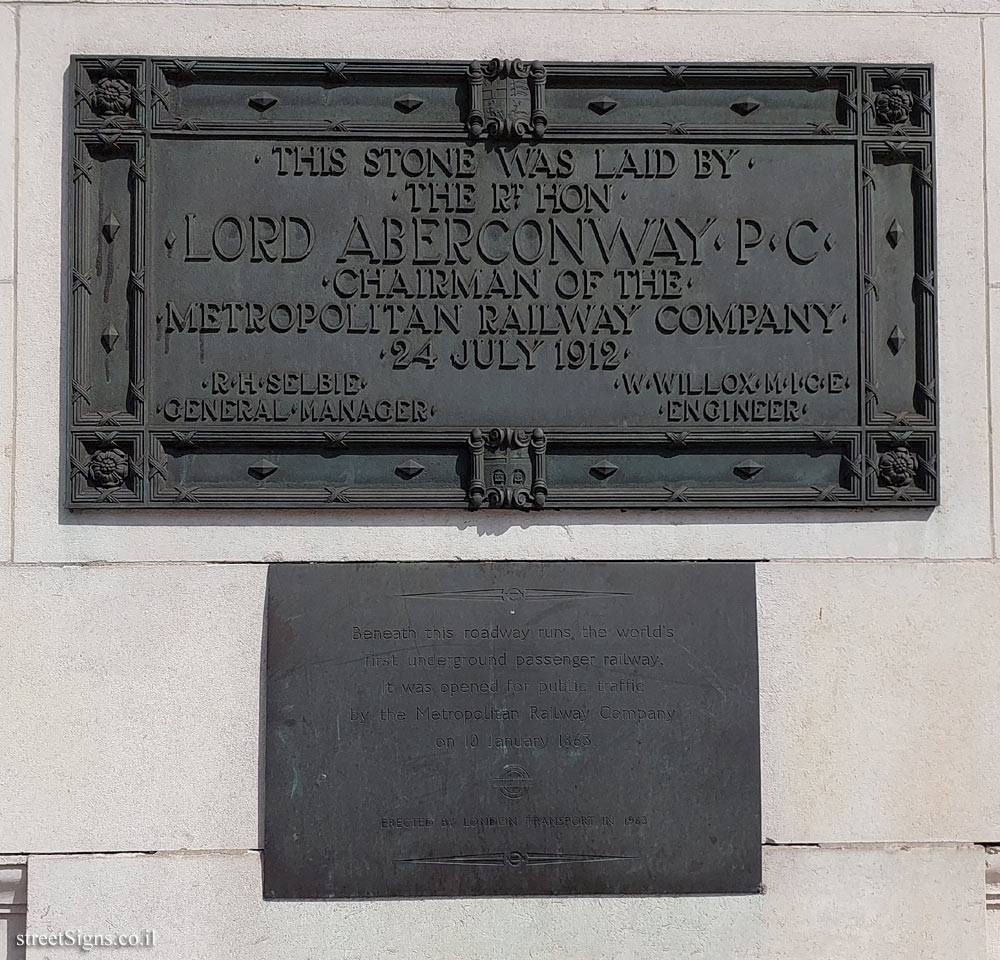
989	294
15	213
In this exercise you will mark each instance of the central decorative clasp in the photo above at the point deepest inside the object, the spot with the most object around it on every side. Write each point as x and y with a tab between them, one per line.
508	468
507	99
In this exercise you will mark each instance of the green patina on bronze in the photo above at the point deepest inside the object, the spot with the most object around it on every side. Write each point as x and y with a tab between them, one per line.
504	284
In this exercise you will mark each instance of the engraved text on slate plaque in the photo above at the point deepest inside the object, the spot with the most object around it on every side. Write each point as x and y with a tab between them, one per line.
459	729
500	284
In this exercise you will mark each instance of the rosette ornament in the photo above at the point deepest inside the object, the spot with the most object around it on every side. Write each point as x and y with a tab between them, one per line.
108	468
893	105
111	97
897	467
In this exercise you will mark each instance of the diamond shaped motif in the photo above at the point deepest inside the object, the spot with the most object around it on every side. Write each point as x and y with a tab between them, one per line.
169	240
744	107
896	340
262	101
603	105
409	469
604	469
262	469
110	337
748	469
894	234
110	227
408	103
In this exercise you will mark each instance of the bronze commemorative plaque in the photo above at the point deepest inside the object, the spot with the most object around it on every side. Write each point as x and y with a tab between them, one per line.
514	728
499	284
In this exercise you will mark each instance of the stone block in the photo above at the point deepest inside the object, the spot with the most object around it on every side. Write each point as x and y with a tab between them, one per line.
8	88
50	33
132	700
921	903
6	420
879	716
134	711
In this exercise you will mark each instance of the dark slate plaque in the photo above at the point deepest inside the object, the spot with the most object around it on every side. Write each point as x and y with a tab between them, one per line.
477	729
500	284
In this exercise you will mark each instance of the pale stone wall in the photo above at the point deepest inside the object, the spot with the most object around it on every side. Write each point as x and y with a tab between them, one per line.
130	646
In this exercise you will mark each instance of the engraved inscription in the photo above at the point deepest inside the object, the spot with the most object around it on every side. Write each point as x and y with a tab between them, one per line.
578	727
455	270
611	254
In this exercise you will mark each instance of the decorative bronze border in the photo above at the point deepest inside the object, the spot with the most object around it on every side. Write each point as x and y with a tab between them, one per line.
117	458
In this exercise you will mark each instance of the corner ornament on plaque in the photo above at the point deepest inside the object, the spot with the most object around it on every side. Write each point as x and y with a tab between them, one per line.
508	468
507	99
